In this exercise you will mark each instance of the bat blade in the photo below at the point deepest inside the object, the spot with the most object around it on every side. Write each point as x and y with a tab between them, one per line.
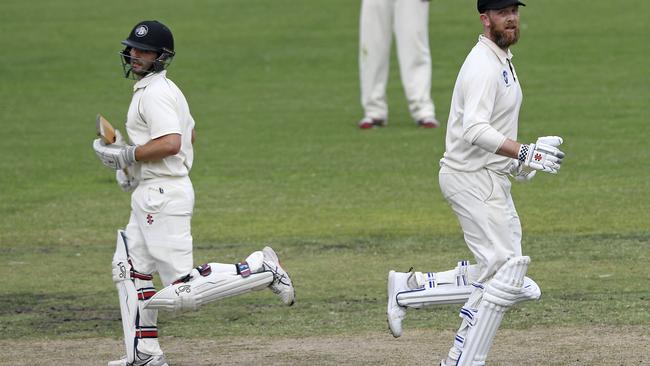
105	130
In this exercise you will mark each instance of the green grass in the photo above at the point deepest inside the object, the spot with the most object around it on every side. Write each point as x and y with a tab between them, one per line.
273	86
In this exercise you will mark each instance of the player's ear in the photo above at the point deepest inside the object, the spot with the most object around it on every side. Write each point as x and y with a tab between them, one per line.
485	20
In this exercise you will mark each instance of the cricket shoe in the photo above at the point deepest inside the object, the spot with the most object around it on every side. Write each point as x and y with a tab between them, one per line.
368	122
143	360
397	282
428	123
281	284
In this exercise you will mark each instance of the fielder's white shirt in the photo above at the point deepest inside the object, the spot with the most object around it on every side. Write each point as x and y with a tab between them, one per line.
159	108
485	104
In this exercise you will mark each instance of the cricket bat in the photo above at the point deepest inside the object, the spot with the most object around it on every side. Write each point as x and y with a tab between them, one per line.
105	130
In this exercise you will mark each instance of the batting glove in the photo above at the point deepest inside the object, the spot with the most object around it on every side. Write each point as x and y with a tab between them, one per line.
114	156
126	180
521	173
542	155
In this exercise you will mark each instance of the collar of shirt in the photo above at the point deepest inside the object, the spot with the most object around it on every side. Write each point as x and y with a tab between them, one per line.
142	83
500	53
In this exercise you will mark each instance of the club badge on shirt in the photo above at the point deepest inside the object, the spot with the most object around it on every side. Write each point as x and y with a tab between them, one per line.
505	78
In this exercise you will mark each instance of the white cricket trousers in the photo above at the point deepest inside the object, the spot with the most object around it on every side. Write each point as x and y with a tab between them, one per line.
159	240
487	216
408	20
490	224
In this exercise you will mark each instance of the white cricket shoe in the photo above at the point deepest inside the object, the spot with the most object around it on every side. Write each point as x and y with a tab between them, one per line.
144	360
397	282
281	284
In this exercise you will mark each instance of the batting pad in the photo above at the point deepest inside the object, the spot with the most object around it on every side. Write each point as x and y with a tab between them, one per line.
127	294
439	288
440	295
188	296
508	287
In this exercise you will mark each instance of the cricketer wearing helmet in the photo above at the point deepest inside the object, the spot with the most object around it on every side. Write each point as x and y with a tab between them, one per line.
481	152
158	158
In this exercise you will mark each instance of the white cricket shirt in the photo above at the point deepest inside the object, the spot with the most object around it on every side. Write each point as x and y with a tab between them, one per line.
485	104
159	108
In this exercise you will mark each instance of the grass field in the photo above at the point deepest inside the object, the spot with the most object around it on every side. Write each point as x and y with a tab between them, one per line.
273	86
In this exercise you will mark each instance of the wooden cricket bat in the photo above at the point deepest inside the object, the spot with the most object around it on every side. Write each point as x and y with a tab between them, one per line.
105	130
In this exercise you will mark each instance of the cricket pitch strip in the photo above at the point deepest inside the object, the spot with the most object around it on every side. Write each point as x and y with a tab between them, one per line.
538	346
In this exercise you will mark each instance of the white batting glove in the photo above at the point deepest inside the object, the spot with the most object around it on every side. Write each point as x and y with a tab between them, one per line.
114	156
521	173
126	180
542	155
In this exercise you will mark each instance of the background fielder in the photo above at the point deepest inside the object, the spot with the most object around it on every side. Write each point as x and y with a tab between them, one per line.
408	20
158	238
481	151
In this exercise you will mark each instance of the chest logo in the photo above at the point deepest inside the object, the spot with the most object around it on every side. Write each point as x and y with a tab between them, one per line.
505	77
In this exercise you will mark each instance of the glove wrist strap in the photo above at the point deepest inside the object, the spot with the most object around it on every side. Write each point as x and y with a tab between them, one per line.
524	151
131	154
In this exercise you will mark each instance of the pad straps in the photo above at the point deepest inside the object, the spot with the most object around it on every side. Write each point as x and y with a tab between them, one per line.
140	276
203	270
243	269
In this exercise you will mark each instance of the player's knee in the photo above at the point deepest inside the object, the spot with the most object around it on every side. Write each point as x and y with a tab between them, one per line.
498	259
510	286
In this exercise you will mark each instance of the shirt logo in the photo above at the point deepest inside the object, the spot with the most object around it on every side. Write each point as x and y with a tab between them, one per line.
505	76
141	31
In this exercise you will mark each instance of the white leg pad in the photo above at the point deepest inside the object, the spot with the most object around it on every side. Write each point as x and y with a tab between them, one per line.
439	295
126	292
508	287
205	288
440	288
417	290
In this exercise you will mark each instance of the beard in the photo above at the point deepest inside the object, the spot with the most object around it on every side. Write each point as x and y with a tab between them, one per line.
504	39
141	69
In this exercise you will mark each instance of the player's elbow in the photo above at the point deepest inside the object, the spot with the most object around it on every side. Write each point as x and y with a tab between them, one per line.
171	144
471	133
173	150
174	147
484	136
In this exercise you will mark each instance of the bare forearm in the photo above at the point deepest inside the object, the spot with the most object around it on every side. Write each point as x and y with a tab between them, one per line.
159	148
509	148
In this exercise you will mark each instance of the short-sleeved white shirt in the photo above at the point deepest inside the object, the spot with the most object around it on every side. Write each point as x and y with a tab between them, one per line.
487	94
159	108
